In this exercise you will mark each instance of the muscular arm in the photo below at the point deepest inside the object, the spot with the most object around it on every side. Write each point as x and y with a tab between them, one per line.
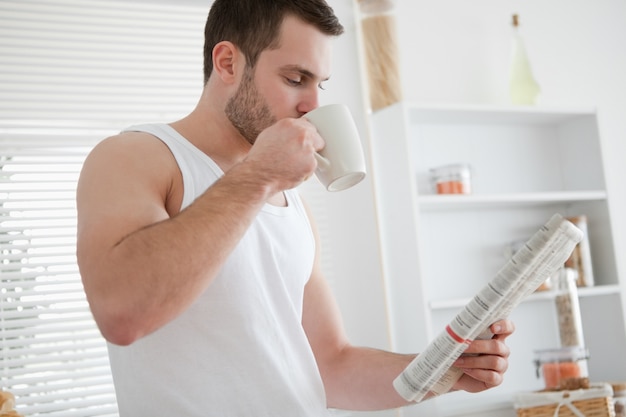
358	378
141	266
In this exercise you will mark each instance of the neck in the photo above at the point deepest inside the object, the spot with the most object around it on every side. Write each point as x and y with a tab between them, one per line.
208	129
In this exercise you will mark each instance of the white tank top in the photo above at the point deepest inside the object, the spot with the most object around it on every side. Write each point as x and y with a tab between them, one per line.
240	349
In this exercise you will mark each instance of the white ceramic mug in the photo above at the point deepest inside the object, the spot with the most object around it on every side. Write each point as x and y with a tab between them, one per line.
340	164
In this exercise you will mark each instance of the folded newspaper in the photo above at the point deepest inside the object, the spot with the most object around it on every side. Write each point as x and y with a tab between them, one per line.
542	255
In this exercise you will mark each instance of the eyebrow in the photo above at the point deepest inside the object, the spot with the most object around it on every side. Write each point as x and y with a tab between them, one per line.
302	71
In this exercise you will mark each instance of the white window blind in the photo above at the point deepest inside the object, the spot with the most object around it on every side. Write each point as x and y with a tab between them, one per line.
53	358
71	73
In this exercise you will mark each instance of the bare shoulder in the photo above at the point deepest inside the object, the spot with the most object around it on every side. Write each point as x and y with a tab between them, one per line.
129	150
131	160
128	181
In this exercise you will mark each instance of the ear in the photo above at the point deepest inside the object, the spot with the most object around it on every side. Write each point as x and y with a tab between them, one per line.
226	61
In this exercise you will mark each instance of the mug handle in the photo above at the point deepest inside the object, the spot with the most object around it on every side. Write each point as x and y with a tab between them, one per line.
322	162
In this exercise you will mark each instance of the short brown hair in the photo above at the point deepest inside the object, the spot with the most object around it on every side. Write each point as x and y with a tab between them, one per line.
254	25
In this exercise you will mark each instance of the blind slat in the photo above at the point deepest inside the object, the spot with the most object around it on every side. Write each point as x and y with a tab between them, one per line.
61	403
96	411
56	339
25	276
59	311
150	14
88	377
78	379
56	367
45	350
60	407
118	119
70	327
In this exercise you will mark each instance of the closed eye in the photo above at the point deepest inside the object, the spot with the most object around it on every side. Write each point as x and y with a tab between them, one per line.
297	76
294	82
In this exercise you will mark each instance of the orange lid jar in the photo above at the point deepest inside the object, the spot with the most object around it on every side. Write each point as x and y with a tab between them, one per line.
560	367
451	179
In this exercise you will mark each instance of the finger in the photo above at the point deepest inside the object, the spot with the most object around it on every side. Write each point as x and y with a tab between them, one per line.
494	363
503	326
482	379
317	141
492	346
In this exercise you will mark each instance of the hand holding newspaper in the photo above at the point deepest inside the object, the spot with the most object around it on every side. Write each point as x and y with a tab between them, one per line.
543	254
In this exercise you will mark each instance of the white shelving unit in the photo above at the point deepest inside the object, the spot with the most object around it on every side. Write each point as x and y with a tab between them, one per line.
439	250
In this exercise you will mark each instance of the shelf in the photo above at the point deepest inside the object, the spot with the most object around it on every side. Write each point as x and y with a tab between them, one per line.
475	201
485	114
599	290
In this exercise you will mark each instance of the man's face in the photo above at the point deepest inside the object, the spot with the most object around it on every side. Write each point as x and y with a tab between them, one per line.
286	81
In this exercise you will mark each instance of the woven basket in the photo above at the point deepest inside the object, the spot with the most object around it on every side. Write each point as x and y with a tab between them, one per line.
596	401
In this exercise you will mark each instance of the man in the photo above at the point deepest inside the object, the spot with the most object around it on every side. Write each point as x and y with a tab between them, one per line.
200	262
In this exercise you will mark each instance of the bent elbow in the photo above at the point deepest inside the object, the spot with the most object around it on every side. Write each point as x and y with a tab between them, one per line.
117	328
118	337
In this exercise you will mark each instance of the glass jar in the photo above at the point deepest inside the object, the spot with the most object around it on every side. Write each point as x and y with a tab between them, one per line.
451	179
380	44
563	368
619	398
568	308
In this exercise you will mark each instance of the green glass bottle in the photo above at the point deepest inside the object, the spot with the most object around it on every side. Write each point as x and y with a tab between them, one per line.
523	89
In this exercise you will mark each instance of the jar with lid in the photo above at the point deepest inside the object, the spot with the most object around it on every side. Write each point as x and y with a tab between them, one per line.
568	308
563	368
451	179
380	43
619	398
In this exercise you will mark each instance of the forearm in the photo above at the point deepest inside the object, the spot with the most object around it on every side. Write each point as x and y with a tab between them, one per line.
362	379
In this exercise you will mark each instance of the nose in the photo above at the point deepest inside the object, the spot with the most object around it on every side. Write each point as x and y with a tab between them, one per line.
309	101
